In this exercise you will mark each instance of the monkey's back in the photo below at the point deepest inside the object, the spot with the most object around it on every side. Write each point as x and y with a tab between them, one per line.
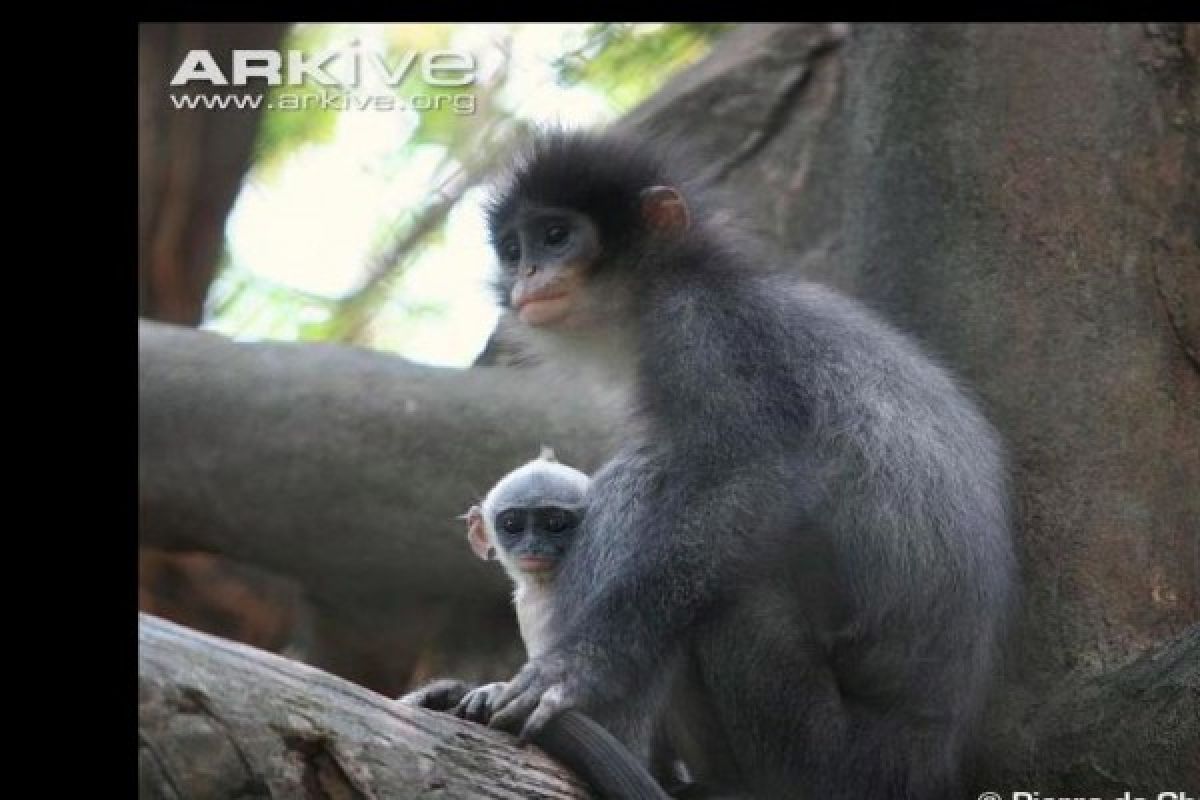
916	499
861	442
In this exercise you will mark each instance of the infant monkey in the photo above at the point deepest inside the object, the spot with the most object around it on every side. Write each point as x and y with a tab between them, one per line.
526	522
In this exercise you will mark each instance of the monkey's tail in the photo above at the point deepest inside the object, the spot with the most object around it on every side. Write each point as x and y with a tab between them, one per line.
595	755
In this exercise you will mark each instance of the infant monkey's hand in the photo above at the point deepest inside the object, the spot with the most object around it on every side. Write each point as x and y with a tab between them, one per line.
478	703
440	695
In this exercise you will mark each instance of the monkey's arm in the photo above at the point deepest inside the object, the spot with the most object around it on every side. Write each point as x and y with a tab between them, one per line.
659	544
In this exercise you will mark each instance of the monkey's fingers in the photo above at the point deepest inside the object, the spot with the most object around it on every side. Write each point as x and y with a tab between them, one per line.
511	710
476	706
552	703
460	710
479	707
516	687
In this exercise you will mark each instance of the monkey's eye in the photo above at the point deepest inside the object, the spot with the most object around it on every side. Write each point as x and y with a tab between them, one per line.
557	235
556	520
510	521
510	250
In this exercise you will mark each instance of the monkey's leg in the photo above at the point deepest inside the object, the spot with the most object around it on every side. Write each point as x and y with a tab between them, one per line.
795	735
667	768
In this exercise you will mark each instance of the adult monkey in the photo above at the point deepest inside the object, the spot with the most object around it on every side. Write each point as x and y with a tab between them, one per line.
802	557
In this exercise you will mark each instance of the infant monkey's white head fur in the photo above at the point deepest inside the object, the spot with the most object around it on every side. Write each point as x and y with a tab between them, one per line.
528	521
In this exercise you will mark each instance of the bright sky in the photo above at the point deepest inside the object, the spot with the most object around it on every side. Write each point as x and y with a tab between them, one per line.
312	224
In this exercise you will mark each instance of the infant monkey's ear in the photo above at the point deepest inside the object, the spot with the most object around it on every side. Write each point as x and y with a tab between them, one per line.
478	534
547	454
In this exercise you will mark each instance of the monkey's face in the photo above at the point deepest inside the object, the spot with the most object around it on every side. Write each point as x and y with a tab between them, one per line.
572	222
530	517
546	256
556	273
535	539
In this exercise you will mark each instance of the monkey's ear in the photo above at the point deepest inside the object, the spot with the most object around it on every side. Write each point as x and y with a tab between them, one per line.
547	454
665	210
477	533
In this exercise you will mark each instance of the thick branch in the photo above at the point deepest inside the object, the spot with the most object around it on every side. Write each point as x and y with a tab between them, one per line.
342	468
225	720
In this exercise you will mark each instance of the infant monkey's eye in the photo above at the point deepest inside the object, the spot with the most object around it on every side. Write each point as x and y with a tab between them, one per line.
511	521
557	235
556	520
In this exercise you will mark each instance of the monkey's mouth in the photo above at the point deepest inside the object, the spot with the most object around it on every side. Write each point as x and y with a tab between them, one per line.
543	307
536	563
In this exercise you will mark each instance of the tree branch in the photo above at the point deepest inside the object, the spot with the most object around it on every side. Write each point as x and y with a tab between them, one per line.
342	468
221	719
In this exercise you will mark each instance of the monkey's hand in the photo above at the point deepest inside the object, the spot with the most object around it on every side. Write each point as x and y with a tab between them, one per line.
441	695
540	690
478	703
547	686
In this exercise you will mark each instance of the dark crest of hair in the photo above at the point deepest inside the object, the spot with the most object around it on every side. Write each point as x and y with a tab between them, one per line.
599	174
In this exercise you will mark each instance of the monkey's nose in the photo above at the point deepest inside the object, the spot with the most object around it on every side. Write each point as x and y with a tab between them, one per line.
530	269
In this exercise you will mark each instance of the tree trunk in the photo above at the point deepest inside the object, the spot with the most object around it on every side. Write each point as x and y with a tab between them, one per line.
218	720
190	164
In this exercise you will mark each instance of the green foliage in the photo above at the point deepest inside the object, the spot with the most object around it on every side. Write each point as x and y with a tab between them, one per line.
436	125
624	63
241	300
629	62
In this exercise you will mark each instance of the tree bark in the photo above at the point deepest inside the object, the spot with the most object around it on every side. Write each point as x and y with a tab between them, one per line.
218	719
1135	727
